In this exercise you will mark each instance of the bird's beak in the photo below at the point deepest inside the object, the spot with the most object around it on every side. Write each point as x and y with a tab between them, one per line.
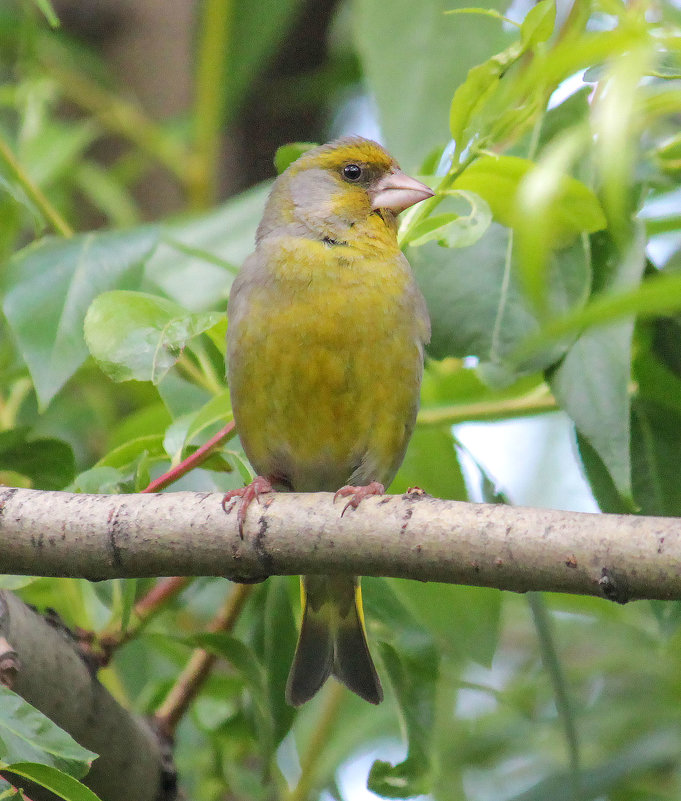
397	191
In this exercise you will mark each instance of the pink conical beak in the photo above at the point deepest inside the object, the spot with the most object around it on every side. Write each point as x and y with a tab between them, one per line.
397	191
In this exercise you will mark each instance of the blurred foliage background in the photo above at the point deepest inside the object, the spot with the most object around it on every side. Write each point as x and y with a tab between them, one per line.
137	140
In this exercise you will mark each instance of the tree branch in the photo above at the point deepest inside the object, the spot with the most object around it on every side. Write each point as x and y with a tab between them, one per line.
51	674
620	557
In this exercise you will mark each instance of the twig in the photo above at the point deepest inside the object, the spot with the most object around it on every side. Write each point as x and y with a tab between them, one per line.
197	458
524	406
197	670
159	595
33	191
101	647
555	671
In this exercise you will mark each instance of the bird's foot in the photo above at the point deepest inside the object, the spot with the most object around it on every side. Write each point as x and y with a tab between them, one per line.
247	494
358	494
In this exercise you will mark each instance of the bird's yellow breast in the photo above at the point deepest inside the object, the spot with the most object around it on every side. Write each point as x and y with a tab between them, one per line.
325	367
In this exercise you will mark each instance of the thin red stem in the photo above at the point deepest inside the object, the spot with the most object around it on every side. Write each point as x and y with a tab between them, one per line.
197	458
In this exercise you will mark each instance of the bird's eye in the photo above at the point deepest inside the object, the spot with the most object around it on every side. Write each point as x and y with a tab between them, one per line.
352	172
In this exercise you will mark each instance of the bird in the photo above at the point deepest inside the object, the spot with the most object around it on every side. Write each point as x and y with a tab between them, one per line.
326	336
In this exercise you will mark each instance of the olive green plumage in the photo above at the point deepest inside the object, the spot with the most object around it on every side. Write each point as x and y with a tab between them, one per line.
325	357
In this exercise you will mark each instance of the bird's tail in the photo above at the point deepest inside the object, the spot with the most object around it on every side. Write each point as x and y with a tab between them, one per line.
332	641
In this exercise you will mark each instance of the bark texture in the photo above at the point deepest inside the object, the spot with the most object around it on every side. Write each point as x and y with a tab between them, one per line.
52	675
620	557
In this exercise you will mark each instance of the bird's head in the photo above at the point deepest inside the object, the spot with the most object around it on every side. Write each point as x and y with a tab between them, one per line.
330	188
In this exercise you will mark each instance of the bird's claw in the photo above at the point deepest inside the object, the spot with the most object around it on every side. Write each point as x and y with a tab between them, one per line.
248	494
358	494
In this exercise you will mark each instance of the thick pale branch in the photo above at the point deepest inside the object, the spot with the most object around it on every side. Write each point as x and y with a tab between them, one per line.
51	674
620	557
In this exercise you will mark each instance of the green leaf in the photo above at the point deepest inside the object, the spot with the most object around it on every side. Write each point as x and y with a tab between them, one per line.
287	154
26	735
464	621
237	653
660	294
497	179
592	382
538	25
148	421
412	91
537	218
600	481
54	147
279	644
489	107
183	431
217	410
180	396
574	51
571	112
124	455
481	82
412	661
48	463
412	682
241	779
657	370
197	259
477	305
46	7
615	123
452	230
133	335
242	658
668	616
592	385
101	481
448	384
485	12
218	335
15	582
656	439
61	784
667	155
16	192
431	463
655	296
667	336
105	192
49	288
656	751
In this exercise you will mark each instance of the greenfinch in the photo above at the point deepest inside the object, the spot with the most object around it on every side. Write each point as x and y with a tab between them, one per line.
325	357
